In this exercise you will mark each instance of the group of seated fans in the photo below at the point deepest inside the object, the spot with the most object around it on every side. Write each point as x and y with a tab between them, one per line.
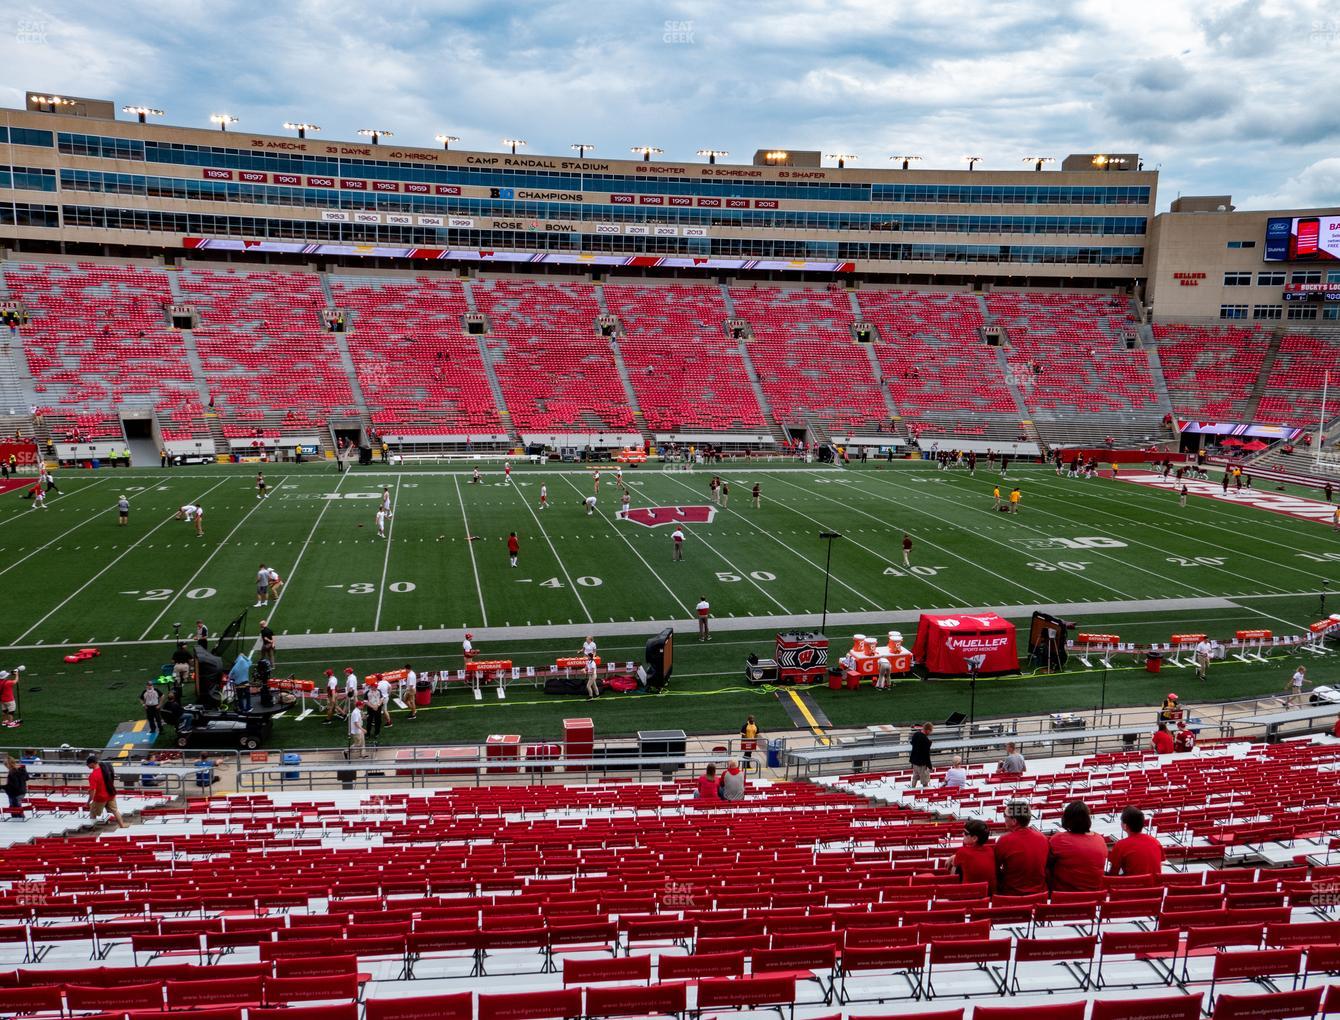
608	898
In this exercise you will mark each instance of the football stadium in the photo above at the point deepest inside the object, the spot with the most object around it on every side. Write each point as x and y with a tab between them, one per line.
513	581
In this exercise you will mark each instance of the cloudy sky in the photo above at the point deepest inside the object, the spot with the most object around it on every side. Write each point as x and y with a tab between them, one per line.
1225	97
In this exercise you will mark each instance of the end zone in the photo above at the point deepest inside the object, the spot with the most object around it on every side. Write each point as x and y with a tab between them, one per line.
1315	510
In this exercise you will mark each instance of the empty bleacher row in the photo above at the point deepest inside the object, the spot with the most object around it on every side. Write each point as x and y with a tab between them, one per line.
98	340
619	899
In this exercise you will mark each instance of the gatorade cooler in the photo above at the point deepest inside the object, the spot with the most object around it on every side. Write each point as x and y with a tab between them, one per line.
579	737
289	758
1154	662
503	747
423	692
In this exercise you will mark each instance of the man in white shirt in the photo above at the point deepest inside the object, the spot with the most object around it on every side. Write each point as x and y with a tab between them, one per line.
1295	688
350	684
381	523
357	740
468	647
1203	649
677	537
262	585
957	776
384	689
192	513
590	502
544	496
408	689
332	695
589	645
704	611
373	713
273	583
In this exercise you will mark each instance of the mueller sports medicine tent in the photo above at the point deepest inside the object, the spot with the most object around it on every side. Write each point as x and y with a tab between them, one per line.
944	643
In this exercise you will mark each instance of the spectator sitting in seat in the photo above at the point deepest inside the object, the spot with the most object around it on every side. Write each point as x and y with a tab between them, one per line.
707	784
1013	763
1136	853
975	861
1077	856
731	786
957	775
1021	854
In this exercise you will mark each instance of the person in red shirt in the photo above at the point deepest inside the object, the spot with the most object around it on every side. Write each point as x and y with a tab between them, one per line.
1184	739
1021	854
1137	853
9	706
975	861
707	784
1162	740
513	548
1077	856
101	793
1335	730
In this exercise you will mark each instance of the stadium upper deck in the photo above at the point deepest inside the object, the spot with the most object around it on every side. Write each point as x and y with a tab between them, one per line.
82	182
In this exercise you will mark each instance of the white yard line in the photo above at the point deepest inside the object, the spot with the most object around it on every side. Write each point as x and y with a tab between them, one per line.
744	574
21	515
1161	577
386	560
126	552
1128	522
561	565
934	545
325	505
194	577
67	532
628	542
879	556
863	596
484	613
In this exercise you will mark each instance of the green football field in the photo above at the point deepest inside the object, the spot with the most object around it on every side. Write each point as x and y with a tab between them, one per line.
1112	555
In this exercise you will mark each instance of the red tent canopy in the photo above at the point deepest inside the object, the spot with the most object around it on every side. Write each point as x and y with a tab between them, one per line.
944	643
1254	445
1231	441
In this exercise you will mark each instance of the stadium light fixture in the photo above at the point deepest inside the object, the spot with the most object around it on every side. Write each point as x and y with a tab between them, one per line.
223	120
777	156
142	112
375	134
1038	161
53	103
446	140
581	147
647	151
712	154
842	158
972	161
514	142
1103	162
905	160
300	127
827	536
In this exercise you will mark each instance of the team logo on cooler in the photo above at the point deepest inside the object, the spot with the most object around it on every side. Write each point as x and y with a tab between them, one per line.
656	516
949	621
802	657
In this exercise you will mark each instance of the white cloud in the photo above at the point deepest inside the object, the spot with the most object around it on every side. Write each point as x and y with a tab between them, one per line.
1224	96
1316	185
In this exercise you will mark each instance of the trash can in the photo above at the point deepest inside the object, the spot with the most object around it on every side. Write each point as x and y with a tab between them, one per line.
423	693
1154	662
290	758
775	753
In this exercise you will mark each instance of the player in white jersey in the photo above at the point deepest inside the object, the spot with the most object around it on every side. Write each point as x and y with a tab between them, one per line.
595	480
618	475
544	496
474	478
624	502
260	485
590	503
192	513
386	500
381	523
507	471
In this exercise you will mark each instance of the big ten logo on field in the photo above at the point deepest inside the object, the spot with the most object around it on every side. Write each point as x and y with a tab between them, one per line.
1084	542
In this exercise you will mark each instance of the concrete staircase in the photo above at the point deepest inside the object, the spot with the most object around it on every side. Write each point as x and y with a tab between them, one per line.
730	305
1012	384
1156	370
751	373
346	358
1267	366
875	373
486	357
622	369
